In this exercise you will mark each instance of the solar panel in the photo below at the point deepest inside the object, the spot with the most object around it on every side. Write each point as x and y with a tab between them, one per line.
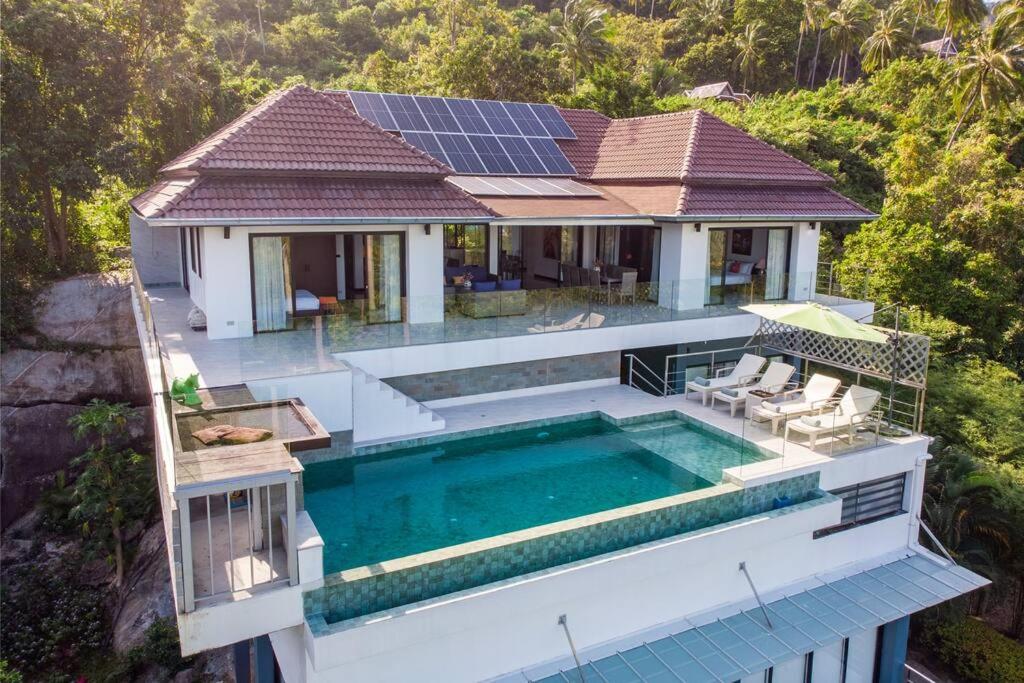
522	187
551	156
523	156
492	154
460	153
407	114
428	143
371	106
525	119
468	116
497	118
553	122
437	114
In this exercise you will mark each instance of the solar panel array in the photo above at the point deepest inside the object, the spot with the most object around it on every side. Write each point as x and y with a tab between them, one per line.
480	137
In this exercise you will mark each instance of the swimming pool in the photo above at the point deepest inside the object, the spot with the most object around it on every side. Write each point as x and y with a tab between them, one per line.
370	509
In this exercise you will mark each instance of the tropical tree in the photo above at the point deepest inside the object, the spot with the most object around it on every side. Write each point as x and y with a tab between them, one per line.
814	14
959	507
581	37
115	488
823	11
954	15
846	30
889	40
1010	16
749	46
987	77
920	8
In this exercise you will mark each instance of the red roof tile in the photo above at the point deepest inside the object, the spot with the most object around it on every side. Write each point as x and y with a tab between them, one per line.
644	148
300	130
590	128
244	197
713	200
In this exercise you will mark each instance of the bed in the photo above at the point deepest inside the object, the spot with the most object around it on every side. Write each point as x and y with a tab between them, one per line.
741	278
306	301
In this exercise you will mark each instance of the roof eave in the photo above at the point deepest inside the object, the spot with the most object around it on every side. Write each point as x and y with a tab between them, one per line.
307	220
747	218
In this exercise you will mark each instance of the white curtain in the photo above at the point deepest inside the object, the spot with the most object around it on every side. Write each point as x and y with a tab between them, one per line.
608	245
775	265
271	283
384	286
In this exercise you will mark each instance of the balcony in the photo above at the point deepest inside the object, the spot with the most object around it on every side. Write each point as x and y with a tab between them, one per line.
310	342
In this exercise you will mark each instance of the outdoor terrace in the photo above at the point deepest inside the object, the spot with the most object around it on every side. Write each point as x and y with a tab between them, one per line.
308	348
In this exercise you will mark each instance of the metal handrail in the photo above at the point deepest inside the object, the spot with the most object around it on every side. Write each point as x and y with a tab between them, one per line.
633	373
670	375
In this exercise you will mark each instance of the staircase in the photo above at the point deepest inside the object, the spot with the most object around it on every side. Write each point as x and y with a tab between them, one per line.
381	412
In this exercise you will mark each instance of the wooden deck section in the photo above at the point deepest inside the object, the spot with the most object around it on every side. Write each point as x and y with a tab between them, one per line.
226	463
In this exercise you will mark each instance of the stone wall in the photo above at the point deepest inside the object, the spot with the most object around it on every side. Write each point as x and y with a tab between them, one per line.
433	386
83	345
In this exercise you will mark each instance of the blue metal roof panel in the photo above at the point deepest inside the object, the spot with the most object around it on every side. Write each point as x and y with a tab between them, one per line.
729	648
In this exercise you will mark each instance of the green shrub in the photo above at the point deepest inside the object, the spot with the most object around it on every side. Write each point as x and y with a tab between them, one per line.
975	651
51	620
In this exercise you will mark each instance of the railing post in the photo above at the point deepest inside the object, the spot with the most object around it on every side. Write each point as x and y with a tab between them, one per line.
629	374
293	552
664	377
187	580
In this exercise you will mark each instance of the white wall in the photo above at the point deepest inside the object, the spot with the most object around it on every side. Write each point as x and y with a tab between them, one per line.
327	394
424	256
803	261
683	271
156	252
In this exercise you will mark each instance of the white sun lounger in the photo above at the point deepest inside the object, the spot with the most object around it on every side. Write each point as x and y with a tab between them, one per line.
813	396
774	379
854	407
744	372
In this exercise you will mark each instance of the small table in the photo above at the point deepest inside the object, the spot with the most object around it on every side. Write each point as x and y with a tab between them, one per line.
329	305
758	395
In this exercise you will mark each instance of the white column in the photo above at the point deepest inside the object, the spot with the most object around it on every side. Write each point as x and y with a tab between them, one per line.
424	282
226	283
589	244
803	261
494	248
683	268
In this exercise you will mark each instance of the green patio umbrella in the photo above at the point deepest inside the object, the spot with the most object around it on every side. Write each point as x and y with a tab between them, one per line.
817	318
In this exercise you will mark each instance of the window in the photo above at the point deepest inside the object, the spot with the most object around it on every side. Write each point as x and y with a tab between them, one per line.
868	501
466	244
195	248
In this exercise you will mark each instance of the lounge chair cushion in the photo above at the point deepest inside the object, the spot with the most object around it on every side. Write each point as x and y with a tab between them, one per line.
772	407
810	421
730	392
702	381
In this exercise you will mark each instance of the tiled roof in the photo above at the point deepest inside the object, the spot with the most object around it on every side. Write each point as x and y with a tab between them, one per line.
691	145
300	130
715	200
276	197
590	128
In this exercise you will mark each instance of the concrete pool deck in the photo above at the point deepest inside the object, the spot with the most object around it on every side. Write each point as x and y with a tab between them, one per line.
622	402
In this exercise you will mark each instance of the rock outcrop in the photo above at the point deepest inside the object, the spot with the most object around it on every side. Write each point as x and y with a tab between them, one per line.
84	346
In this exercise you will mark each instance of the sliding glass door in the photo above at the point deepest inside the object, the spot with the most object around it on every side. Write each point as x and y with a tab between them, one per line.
715	292
272	283
747	264
383	278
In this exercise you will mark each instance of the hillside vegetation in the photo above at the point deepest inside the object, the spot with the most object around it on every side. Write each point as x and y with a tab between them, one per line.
97	95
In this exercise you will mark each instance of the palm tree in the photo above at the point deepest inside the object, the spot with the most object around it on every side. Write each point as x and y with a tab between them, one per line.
889	40
581	35
957	14
846	30
813	15
959	506
989	77
749	46
1010	16
711	15
823	12
925	8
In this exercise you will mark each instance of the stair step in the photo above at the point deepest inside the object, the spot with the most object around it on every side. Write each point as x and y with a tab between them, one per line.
651	426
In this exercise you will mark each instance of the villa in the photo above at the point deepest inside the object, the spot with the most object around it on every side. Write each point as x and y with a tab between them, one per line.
462	390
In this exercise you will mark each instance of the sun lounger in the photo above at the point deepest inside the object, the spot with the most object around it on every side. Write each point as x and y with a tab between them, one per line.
774	379
853	409
818	391
744	372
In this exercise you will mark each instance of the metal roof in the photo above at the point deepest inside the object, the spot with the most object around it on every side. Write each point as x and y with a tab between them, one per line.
732	647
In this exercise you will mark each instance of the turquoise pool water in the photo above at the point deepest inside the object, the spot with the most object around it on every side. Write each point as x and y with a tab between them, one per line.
374	508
